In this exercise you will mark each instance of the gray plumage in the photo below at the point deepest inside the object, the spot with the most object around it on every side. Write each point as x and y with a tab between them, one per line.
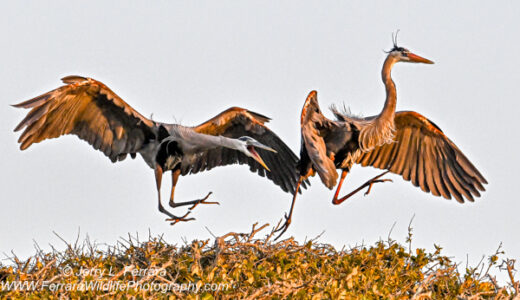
90	110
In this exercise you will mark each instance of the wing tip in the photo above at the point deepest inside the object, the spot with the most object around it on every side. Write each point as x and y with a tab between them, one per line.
311	97
73	79
19	127
24	145
259	117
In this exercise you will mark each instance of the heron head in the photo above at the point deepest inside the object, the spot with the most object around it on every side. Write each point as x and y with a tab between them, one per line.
404	55
248	145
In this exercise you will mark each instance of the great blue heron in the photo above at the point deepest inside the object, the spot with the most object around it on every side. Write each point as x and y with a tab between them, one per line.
89	109
405	143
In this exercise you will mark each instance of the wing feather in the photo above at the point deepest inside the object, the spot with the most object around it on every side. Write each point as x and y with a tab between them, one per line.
312	123
437	169
421	170
234	123
87	108
424	155
415	162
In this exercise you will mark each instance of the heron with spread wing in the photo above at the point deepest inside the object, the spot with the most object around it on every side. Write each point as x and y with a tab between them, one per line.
404	143
90	110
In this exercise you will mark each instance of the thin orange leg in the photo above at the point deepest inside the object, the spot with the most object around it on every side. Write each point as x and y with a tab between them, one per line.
158	178
193	203
285	226
368	184
343	175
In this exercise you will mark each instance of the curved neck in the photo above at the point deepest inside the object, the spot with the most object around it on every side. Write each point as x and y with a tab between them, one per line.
391	93
380	130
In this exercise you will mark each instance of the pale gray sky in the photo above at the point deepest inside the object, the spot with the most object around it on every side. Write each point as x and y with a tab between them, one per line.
187	61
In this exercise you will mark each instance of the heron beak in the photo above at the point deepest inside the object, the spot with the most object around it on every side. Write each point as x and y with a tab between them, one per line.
257	157
418	59
262	146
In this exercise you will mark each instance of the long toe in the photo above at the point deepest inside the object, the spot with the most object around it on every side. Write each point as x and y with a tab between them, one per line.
180	219
383	180
376	181
175	221
203	201
284	227
283	231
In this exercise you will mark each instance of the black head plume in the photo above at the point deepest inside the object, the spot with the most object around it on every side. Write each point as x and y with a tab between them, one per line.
394	42
394	38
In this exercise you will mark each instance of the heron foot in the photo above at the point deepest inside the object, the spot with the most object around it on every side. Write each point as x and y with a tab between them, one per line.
203	201
193	203
284	227
375	181
174	220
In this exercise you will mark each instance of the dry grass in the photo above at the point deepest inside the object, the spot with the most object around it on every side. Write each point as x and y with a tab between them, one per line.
243	266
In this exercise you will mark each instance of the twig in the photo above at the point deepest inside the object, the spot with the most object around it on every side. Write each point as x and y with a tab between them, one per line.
255	231
214	236
390	232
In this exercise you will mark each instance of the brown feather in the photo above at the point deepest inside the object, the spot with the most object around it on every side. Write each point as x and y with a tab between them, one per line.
234	123
87	108
422	154
314	143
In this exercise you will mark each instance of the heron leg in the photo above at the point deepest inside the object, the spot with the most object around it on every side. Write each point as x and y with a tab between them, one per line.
173	218
368	184
194	203
288	218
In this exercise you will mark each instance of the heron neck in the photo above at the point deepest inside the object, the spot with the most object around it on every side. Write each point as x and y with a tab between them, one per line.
391	93
222	141
230	143
194	141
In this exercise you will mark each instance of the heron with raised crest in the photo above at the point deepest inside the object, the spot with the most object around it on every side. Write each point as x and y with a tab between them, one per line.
404	143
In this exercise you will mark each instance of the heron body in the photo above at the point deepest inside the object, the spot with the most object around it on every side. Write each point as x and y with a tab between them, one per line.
90	110
404	143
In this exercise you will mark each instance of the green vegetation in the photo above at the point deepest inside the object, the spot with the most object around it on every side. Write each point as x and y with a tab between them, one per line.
242	266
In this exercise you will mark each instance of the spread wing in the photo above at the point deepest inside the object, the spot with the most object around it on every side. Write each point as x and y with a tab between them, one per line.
313	144
425	156
234	123
87	108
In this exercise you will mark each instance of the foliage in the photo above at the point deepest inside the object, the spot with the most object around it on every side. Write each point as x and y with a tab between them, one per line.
239	265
